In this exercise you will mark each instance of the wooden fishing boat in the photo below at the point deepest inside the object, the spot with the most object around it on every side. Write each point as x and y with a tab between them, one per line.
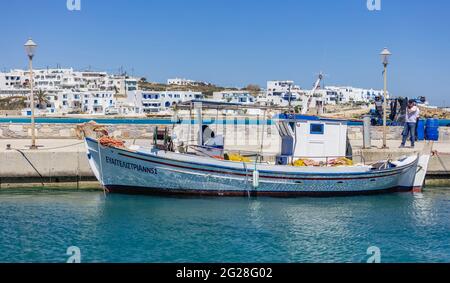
161	171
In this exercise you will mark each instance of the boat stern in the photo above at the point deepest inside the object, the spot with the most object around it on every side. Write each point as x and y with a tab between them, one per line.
413	179
421	172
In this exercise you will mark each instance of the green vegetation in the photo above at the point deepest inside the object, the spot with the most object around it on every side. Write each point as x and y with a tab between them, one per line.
13	103
207	90
41	98
253	89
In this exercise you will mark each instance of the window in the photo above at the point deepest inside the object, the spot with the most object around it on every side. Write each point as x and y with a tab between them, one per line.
317	129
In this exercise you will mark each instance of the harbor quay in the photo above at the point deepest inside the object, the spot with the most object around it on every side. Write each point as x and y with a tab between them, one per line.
61	159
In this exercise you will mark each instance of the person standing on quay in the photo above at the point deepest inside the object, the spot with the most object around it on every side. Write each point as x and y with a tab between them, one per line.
412	115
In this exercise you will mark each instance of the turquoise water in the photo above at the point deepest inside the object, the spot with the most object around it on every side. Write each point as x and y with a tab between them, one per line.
39	226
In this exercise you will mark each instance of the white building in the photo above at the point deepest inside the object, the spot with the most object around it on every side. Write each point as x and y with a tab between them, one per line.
348	94
70	101
283	92
328	96
242	97
281	86
11	80
156	101
96	102
185	82
71	91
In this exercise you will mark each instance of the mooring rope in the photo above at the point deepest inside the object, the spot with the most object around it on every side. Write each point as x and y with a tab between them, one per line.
31	164
64	146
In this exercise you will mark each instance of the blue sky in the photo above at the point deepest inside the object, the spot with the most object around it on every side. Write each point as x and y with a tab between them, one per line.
237	42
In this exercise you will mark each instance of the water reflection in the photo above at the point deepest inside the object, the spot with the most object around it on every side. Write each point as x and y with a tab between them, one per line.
37	227
423	210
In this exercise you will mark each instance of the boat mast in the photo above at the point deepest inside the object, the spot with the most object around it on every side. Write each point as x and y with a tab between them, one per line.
198	110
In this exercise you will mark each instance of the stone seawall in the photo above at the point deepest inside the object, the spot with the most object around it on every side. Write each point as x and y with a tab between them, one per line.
68	131
394	133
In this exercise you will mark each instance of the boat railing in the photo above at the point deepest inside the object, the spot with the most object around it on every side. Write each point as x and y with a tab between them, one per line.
323	161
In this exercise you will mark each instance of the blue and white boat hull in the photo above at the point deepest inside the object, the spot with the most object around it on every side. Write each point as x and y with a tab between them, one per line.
159	172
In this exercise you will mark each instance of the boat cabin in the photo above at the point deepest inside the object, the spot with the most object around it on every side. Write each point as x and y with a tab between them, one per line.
310	137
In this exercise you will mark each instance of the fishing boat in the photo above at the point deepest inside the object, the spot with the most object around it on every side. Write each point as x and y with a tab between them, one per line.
209	170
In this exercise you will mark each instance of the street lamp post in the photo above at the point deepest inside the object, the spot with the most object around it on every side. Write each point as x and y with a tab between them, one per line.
30	48
385	59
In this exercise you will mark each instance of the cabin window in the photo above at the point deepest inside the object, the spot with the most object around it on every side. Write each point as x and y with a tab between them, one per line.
317	129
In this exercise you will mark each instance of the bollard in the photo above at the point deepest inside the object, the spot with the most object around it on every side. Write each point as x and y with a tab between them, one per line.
367	142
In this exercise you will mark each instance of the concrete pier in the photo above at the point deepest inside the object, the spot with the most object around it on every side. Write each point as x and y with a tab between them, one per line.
439	167
61	158
56	164
63	163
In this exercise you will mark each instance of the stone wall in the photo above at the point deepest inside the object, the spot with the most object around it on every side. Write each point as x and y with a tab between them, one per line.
394	133
67	131
7	113
376	133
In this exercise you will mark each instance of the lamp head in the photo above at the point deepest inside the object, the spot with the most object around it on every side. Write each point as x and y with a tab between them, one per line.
30	48
385	54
